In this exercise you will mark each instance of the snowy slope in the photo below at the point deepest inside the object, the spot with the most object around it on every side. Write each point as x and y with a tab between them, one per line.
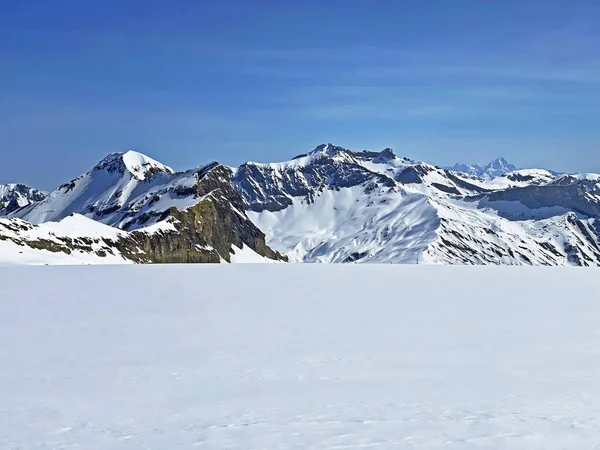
394	210
473	234
412	228
386	357
349	225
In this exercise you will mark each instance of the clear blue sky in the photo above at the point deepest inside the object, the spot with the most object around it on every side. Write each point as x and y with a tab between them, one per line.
191	81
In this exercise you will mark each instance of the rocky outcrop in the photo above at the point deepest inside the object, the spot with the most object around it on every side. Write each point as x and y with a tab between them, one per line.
572	197
204	232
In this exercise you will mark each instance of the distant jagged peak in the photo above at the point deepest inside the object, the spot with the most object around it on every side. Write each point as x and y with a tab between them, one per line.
501	164
494	168
137	164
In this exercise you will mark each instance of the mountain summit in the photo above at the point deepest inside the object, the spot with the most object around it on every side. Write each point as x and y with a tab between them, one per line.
136	164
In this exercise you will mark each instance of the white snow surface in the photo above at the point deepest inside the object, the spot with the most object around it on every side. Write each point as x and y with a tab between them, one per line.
14	254
363	356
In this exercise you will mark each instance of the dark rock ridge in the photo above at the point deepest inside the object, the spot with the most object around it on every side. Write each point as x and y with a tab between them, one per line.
206	231
272	187
569	197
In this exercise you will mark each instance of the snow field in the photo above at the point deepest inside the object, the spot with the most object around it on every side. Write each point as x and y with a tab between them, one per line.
287	356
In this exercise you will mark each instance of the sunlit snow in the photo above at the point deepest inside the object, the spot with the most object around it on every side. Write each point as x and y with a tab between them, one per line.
287	356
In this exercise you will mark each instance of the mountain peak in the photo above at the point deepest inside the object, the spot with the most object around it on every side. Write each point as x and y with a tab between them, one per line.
500	163
137	164
328	149
494	168
323	150
497	168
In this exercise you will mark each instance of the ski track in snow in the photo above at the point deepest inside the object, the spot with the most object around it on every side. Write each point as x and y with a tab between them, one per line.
299	357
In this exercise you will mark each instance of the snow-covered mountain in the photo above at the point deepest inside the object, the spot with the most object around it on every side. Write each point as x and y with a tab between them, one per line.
329	205
103	192
495	168
274	186
194	216
335	205
14	196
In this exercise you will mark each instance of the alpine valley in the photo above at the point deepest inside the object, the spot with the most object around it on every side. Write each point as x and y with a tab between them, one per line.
330	205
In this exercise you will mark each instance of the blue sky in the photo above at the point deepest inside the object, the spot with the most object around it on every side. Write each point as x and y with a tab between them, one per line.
187	82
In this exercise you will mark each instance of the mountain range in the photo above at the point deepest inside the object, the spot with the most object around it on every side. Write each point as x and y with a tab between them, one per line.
329	205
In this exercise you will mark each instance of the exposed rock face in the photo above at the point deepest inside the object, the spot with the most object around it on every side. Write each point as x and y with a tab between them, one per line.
272	187
206	231
588	182
570	197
